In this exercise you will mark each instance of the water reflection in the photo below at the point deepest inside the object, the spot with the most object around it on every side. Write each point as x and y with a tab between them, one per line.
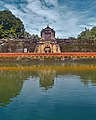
46	78
11	83
12	78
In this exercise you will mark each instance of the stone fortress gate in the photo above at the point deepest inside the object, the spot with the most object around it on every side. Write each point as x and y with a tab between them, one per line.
48	42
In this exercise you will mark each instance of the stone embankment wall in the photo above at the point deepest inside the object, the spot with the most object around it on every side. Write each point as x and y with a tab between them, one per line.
50	56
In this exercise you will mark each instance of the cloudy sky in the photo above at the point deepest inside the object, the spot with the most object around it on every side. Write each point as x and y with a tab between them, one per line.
67	17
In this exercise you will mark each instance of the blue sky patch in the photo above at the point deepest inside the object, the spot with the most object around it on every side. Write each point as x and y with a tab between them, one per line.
68	17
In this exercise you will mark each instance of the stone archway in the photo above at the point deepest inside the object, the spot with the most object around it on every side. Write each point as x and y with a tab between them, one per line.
47	49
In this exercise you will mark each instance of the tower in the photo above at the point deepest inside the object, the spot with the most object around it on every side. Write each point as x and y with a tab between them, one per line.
47	43
47	34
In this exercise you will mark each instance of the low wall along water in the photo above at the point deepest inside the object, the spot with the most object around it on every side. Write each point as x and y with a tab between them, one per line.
48	56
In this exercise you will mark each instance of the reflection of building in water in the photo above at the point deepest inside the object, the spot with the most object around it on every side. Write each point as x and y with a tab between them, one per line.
48	43
46	78
11	82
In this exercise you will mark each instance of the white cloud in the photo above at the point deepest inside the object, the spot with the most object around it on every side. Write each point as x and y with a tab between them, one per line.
11	7
37	14
38	8
52	2
61	18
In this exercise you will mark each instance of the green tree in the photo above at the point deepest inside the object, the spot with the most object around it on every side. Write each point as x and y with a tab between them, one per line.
10	25
1	30
85	34
88	34
27	35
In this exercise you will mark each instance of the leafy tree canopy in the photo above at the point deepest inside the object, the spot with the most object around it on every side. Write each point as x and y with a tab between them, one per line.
88	34
10	25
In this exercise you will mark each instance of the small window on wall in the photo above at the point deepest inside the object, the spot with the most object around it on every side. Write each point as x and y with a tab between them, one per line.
56	48
25	50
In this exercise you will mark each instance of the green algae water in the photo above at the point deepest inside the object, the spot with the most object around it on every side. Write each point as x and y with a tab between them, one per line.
56	91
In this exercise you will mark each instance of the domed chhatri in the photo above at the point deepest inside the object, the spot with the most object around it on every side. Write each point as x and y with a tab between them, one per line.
48	42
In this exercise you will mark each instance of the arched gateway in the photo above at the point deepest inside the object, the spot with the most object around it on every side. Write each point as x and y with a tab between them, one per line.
47	49
48	42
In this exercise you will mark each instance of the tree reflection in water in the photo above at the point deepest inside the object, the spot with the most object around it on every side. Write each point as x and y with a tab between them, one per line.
12	78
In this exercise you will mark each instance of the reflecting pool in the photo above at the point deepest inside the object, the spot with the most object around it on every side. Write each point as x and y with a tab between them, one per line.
48	91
